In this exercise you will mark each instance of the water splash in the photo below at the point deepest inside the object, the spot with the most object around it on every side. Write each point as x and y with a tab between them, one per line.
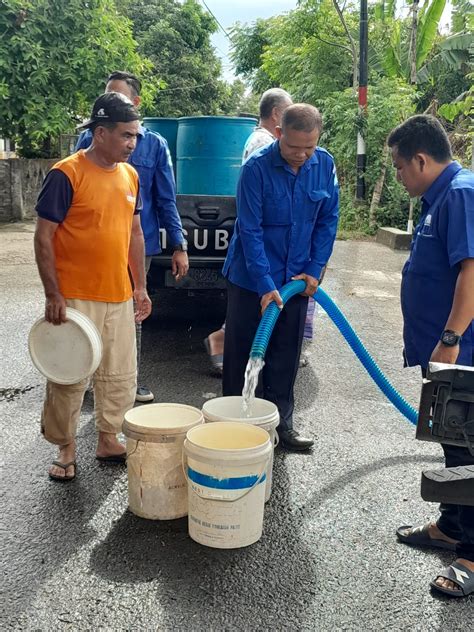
252	371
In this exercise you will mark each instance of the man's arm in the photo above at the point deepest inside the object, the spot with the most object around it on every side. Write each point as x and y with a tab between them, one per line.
136	262
462	312
55	310
84	140
325	229
165	204
250	217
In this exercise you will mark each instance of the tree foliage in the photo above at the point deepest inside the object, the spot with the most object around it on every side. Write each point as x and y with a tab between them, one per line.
391	101
175	36
53	59
248	45
309	54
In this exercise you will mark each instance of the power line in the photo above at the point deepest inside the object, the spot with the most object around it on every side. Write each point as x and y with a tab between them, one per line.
217	21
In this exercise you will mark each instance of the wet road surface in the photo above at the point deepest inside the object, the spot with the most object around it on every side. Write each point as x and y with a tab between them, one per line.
74	557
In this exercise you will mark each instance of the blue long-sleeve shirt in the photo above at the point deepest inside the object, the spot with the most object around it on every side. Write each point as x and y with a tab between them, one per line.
286	222
151	158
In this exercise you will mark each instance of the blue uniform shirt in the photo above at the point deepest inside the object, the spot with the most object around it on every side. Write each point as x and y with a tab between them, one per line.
286	222
151	158
443	238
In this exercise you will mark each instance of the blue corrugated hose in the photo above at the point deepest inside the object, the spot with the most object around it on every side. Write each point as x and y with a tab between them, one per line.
269	319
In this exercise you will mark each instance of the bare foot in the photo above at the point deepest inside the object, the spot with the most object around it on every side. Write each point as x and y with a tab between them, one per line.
436	534
216	342
67	453
109	445
447	583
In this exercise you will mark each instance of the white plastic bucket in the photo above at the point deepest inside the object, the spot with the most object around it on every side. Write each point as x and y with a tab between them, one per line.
226	467
263	414
66	353
155	434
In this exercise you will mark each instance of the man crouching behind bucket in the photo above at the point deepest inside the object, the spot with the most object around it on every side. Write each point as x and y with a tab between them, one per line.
87	236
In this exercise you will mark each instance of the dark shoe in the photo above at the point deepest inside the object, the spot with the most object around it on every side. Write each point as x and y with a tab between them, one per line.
419	536
291	440
461	576
144	394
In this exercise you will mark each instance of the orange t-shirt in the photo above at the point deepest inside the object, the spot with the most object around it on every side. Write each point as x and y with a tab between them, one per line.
92	240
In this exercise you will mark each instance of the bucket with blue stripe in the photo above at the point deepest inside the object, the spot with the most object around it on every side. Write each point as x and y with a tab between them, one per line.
262	413
226	465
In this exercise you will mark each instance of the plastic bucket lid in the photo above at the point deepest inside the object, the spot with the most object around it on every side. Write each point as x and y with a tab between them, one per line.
154	421
66	353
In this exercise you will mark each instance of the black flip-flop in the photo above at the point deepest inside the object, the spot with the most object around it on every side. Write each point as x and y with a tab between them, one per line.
64	466
113	458
419	536
459	575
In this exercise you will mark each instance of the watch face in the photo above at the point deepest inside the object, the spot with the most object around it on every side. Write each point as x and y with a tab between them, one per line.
449	338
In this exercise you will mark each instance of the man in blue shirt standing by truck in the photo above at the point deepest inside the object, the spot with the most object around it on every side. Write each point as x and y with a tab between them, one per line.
287	214
437	298
151	159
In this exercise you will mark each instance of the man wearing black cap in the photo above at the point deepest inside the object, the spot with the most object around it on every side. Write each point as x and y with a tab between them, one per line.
152	161
88	235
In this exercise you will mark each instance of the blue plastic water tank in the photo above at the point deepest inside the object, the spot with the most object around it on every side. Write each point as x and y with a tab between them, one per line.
166	127
209	153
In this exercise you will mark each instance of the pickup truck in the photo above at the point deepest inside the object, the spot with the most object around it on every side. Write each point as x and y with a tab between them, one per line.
208	224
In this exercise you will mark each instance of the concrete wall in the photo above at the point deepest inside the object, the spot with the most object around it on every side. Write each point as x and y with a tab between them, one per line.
20	183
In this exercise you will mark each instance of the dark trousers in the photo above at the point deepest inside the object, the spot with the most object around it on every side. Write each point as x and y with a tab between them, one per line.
457	521
278	376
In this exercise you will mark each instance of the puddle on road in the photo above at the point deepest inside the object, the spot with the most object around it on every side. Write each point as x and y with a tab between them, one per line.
10	394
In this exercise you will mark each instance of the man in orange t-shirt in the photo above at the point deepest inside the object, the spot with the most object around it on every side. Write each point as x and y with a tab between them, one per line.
88	236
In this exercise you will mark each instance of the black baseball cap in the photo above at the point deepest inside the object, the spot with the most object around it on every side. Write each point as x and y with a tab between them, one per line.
111	107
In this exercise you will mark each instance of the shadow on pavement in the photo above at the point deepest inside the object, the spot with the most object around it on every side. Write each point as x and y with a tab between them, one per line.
207	588
337	485
46	522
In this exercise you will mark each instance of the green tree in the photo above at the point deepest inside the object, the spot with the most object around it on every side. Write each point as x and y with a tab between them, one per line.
462	16
390	102
54	56
249	42
175	36
309	53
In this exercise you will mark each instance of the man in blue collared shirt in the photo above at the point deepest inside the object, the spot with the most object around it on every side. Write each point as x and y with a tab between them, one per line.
437	298
287	213
151	158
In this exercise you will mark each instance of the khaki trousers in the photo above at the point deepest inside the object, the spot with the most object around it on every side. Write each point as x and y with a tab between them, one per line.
115	380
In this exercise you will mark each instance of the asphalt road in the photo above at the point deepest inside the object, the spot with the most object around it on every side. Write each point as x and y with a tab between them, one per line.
74	558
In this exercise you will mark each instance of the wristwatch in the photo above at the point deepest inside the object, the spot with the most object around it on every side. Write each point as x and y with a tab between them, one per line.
450	338
182	247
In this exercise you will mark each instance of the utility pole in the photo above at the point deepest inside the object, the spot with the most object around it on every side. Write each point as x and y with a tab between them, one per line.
361	153
413	80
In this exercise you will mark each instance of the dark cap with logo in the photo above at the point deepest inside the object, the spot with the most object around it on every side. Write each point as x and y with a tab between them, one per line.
111	107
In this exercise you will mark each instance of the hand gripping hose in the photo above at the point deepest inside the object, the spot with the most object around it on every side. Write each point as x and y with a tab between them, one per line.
269	319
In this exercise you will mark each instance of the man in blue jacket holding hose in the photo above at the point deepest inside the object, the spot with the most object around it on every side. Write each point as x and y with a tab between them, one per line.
287	214
151	159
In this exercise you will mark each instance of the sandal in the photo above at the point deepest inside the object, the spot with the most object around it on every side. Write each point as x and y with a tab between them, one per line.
419	536
217	360
113	458
459	575
64	466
